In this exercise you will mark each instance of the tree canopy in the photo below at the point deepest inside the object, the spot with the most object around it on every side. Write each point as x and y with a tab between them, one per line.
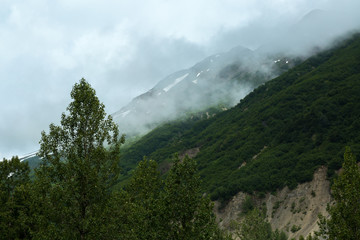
344	221
72	195
14	180
80	165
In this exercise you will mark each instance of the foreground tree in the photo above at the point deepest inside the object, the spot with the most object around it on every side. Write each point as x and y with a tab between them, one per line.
173	208
188	214
253	227
344	221
14	207
145	195
80	165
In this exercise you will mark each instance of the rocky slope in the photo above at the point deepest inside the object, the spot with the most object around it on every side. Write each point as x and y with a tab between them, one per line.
292	211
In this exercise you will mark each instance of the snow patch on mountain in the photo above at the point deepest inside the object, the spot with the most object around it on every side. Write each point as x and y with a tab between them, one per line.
29	155
123	114
222	78
166	89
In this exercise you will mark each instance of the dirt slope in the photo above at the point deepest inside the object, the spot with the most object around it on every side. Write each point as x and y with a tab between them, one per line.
293	211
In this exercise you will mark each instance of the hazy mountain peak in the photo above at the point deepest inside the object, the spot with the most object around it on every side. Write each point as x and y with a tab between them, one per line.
220	78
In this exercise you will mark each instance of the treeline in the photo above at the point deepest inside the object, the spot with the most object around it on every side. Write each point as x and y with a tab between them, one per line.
81	207
155	208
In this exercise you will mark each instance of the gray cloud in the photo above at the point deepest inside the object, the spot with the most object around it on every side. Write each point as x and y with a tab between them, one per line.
123	48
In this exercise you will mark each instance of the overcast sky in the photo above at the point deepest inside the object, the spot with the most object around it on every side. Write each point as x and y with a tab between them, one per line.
123	48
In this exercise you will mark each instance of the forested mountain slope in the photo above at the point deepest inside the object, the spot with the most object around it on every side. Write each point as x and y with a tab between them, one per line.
276	136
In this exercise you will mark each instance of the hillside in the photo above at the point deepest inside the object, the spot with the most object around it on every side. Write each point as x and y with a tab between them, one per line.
223	78
278	135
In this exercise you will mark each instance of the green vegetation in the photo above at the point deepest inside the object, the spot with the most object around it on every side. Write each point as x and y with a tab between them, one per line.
72	185
313	194
344	219
275	207
72	196
149	208
188	214
170	208
248	205
14	184
277	136
255	227
283	130
295	228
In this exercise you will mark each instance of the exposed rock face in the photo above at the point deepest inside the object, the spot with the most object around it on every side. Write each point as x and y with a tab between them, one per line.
191	153
292	211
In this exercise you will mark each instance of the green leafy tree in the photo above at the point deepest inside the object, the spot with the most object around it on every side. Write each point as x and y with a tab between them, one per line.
312	237
170	209
122	217
80	165
344	221
14	205
145	191
254	227
188	214
247	205
279	235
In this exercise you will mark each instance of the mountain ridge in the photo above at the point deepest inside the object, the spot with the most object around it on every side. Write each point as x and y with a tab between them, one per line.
221	78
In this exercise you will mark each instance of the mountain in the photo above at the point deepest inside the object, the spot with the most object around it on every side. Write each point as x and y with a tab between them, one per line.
226	78
277	136
280	146
32	159
221	79
210	86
